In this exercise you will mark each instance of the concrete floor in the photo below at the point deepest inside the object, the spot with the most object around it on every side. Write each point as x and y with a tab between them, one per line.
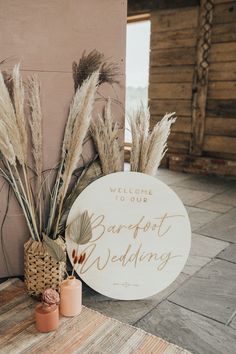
198	311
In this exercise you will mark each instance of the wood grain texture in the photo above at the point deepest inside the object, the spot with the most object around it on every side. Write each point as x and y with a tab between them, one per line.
145	6
170	91
218	143
223	157
90	332
201	78
172	56
222	90
221	108
174	19
160	107
172	59
225	32
221	126
172	74
224	71
179	141
223	52
173	39
225	12
216	2
206	165
182	124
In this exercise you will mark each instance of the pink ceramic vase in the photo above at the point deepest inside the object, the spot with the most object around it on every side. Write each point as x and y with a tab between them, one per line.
46	317
71	297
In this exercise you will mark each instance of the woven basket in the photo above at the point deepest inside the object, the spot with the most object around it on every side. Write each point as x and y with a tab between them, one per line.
41	270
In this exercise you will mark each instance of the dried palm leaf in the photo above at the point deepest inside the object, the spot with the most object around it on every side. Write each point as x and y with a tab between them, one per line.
80	230
54	250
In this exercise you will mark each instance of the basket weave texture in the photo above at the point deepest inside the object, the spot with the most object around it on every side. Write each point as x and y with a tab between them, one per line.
41	270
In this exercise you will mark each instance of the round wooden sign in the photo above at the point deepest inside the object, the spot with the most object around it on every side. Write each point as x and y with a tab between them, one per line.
141	235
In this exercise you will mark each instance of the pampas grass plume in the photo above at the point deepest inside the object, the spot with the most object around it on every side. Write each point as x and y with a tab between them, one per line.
148	148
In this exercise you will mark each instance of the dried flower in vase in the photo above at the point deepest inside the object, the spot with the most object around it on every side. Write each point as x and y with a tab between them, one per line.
46	200
77	260
47	313
50	297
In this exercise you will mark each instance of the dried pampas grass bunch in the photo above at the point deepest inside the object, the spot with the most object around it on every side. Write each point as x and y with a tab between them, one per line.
14	167
105	135
90	63
148	147
46	208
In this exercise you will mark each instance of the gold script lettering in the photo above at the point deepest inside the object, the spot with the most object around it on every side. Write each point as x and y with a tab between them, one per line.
87	264
134	257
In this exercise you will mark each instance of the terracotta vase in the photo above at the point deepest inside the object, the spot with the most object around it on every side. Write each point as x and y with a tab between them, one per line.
46	317
71	297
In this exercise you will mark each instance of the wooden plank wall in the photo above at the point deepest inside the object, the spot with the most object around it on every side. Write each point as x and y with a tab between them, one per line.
172	59
220	129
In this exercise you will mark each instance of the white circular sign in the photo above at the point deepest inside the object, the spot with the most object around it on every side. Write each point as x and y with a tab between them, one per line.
141	235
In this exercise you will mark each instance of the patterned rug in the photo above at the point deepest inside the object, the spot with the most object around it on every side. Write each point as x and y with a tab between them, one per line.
90	332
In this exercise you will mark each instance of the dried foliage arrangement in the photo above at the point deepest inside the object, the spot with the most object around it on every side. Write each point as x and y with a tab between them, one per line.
148	147
46	210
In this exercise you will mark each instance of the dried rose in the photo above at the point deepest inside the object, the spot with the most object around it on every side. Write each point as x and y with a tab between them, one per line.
50	297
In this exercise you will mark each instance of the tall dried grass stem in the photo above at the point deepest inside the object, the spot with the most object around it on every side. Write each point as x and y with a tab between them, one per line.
35	124
6	147
8	117
76	129
148	148
19	96
105	136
